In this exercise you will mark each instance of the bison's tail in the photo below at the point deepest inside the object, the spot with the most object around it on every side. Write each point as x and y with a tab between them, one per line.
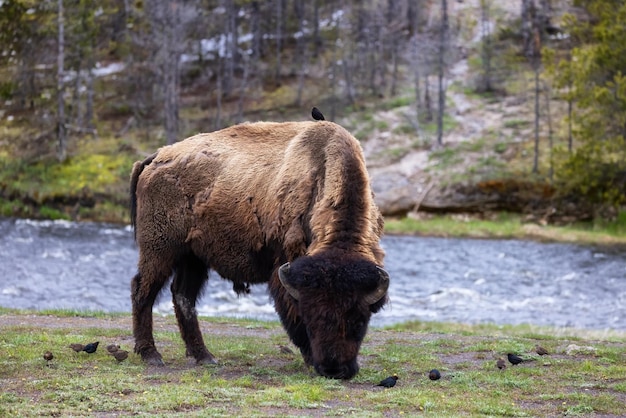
134	178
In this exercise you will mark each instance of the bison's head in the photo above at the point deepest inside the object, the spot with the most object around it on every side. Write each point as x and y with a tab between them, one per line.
334	299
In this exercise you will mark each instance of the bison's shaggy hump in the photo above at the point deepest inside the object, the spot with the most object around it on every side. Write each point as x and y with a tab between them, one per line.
243	201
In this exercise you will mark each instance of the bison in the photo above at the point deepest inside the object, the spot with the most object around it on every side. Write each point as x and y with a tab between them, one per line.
287	203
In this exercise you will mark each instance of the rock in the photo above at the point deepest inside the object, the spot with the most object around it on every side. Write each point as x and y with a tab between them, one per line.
394	194
577	349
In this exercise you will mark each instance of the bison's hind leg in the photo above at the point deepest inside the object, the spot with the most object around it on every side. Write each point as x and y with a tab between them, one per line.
145	288
191	275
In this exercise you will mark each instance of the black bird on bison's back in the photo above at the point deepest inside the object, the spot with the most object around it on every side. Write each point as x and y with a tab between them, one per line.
91	347
317	115
514	359
389	382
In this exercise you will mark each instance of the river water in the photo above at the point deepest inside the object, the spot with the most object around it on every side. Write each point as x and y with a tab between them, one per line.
88	266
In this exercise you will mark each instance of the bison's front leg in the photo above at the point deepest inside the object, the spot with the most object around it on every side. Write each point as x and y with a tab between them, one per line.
191	274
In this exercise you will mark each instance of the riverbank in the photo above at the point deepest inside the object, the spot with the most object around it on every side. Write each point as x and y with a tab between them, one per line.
508	226
583	374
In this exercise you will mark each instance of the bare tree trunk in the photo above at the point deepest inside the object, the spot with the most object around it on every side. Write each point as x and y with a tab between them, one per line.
89	113
76	114
26	77
545	13
171	69
412	16
317	40
528	7
537	115
442	51
333	81
392	38
168	39
244	87
535	58
418	97
231	47
61	127
427	101
394	75
218	97
570	138
279	39
301	50
412	22
550	131
348	68
485	29
257	34
257	46
380	64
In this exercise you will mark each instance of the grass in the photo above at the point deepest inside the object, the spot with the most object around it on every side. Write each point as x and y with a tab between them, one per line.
509	225
86	186
254	378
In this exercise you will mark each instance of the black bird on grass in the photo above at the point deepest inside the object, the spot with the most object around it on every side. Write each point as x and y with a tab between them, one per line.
317	115
434	374
389	382
120	355
91	347
48	356
514	359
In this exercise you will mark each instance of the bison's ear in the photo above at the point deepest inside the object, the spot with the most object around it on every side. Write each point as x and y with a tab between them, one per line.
381	290
283	276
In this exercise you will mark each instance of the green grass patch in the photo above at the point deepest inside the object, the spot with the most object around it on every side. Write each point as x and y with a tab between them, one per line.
254	378
517	124
78	176
404	129
399	101
446	157
449	123
508	225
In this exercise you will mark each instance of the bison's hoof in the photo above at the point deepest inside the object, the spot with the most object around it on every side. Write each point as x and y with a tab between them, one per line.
154	360
206	360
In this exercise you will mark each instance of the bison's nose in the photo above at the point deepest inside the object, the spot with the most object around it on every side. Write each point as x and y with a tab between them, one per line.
338	371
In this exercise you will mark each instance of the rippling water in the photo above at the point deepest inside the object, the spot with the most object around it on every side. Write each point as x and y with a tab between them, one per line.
58	264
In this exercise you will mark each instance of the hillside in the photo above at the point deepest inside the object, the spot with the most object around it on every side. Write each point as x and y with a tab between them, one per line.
485	162
483	165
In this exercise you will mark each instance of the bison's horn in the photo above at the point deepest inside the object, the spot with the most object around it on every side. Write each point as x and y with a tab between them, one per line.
381	290
283	272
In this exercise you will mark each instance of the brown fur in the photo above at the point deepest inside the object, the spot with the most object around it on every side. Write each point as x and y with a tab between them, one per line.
244	200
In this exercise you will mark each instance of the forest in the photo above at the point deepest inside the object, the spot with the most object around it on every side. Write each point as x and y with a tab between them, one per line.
88	87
